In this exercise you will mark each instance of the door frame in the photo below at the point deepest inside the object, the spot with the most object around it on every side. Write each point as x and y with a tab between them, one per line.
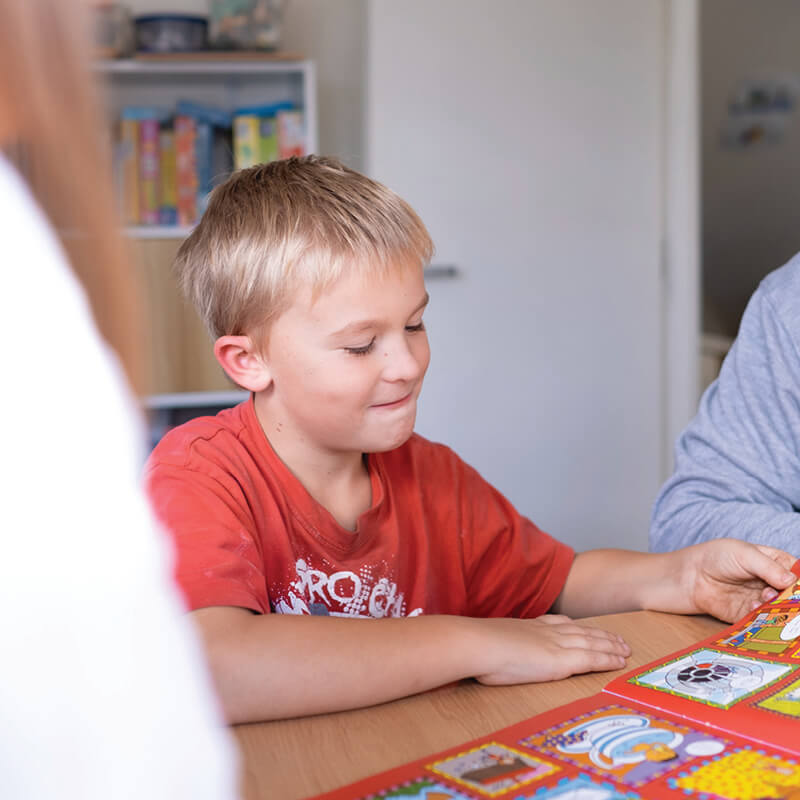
680	256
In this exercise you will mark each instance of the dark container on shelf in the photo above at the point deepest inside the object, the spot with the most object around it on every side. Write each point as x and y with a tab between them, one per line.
171	33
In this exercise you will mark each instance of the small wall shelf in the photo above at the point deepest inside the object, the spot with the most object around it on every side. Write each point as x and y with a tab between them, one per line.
186	381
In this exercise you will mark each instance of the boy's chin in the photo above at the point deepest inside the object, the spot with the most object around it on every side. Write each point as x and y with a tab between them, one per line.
387	443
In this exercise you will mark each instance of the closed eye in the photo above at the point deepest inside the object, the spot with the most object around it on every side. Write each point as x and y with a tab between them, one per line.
420	326
361	351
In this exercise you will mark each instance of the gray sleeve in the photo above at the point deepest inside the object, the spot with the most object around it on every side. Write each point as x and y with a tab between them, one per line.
737	464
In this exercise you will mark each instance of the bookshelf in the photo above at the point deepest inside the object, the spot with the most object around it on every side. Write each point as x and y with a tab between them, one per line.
185	379
218	80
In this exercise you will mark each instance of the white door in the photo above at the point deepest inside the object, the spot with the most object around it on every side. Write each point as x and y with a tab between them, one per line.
529	135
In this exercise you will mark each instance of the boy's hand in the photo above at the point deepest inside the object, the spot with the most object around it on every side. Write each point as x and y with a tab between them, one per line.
546	649
728	578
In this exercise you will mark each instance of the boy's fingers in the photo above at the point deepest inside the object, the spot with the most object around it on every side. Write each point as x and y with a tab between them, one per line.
600	644
594	661
573	635
596	633
569	626
614	639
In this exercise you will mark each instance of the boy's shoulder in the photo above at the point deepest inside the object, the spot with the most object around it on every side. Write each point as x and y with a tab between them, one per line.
224	430
227	441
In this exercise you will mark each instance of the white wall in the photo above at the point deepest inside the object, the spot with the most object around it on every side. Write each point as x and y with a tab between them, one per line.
332	33
750	197
537	161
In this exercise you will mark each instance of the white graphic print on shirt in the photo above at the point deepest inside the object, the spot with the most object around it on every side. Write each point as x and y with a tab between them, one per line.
341	594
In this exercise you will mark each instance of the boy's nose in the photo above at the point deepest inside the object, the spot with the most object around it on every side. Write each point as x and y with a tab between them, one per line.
402	363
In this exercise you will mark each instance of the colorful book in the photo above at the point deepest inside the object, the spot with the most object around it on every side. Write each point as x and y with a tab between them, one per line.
207	120
168	196
185	170
255	140
267	139
149	181
719	720
291	133
204	157
255	133
128	168
246	140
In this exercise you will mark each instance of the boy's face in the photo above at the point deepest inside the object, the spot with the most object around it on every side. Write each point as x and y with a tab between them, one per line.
347	367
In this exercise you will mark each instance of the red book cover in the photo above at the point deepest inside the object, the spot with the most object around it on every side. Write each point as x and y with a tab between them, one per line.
186	180
743	680
719	720
291	134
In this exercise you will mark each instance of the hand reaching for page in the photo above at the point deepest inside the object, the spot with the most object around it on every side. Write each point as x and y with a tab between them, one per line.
728	578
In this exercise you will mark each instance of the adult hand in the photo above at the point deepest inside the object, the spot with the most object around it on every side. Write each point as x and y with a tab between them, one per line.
728	578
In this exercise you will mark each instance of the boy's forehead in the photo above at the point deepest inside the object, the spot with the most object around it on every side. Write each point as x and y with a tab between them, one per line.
356	298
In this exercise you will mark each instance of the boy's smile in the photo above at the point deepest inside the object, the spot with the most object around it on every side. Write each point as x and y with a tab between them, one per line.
394	403
346	367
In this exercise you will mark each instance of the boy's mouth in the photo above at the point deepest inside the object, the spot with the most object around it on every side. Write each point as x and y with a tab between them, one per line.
394	403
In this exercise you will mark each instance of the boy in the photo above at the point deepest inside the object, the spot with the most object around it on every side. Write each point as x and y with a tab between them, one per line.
315	500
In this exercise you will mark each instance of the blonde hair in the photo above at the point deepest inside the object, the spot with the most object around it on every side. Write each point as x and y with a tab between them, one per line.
275	228
49	94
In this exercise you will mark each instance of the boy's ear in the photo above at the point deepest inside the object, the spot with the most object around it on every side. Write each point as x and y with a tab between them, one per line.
242	362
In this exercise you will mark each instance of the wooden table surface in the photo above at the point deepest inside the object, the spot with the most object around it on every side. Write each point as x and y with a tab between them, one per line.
298	758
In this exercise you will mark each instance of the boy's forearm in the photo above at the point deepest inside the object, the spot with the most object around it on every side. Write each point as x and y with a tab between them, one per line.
276	666
613	581
726	578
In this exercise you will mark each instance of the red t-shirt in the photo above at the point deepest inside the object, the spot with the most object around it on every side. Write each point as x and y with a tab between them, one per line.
438	539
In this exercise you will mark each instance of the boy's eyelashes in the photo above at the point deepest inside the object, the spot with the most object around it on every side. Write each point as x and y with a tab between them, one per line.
367	348
361	351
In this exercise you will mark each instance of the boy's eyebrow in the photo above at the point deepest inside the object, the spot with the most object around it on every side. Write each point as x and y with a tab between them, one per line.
362	325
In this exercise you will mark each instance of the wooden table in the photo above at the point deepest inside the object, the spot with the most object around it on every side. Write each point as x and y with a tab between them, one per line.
297	758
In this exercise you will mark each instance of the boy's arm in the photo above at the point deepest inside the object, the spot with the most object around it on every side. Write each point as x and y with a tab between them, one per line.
726	578
274	666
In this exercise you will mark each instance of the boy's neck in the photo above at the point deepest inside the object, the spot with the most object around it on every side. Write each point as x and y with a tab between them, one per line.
339	482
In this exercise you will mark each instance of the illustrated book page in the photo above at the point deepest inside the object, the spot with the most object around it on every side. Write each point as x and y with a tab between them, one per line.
719	720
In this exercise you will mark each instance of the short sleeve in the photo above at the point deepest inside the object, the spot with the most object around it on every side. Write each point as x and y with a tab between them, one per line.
218	557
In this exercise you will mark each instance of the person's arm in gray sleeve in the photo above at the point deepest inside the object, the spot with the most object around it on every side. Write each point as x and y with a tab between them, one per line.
737	464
